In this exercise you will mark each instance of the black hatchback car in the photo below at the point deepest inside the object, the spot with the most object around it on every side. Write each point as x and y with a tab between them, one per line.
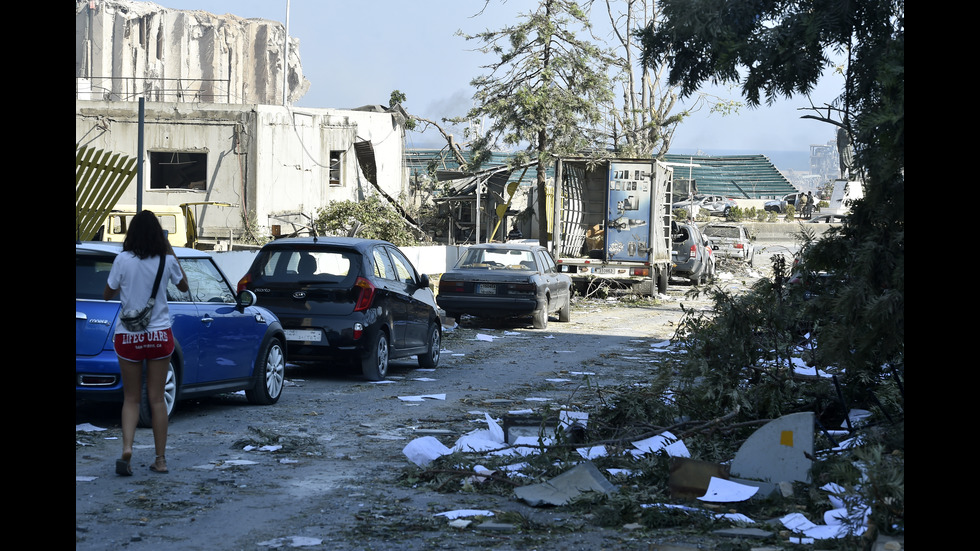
347	298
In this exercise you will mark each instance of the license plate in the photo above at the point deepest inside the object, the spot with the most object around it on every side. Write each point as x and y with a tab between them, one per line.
486	289
604	270
307	335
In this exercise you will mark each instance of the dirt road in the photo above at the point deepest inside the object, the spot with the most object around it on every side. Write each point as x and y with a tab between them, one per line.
329	478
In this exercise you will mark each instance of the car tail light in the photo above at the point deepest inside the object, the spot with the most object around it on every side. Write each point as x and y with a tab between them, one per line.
521	288
366	296
358	330
448	286
739	246
694	250
642	272
243	282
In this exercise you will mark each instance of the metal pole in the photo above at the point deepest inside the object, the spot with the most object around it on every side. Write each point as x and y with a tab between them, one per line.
285	60
139	156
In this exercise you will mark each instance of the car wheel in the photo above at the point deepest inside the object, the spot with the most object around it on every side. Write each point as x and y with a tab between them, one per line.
430	359
374	363
270	370
540	318
565	314
169	395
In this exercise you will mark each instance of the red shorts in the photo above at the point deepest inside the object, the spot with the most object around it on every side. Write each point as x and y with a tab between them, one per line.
149	345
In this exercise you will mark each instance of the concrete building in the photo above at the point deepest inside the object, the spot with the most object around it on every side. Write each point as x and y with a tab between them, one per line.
215	127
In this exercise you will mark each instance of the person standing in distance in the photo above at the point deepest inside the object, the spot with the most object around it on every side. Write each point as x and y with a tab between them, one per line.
131	278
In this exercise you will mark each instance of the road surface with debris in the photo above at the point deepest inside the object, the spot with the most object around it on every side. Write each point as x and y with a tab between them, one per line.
320	469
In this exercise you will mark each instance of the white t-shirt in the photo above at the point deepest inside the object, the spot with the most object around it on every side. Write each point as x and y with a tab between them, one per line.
134	279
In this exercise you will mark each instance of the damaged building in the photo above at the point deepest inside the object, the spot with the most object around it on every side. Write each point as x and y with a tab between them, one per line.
215	126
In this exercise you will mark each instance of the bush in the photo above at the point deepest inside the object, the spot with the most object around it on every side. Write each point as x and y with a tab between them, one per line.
371	219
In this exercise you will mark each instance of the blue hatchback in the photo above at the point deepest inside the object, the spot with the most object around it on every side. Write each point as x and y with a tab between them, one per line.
224	343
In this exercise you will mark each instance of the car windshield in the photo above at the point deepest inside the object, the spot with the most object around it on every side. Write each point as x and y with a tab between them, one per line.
721	231
308	265
497	259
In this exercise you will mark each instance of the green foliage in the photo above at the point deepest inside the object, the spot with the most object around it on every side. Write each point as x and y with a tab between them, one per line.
544	92
371	218
737	214
790	213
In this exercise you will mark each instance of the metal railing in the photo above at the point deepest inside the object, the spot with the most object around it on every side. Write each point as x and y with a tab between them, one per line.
154	89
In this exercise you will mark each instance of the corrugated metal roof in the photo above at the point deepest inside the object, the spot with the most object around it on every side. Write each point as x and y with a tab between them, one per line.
738	176
745	176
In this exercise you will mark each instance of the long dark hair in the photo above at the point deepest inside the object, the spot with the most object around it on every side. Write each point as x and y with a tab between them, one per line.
144	237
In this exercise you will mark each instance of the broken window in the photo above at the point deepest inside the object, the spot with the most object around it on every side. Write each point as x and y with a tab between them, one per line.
178	170
336	168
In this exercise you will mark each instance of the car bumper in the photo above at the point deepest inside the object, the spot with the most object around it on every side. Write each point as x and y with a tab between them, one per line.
97	377
324	337
489	306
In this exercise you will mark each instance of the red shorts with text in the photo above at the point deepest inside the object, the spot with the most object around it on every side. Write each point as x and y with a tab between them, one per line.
149	345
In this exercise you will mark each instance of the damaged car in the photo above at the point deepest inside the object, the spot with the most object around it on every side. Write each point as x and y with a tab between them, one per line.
507	280
730	241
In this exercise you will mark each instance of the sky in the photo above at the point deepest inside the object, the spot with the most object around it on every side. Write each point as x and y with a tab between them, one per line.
356	53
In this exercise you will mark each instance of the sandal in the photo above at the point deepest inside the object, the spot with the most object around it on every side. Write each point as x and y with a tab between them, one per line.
123	468
160	465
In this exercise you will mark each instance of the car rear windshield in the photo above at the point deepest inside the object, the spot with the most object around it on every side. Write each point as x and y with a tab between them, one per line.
721	231
486	259
308	266
91	274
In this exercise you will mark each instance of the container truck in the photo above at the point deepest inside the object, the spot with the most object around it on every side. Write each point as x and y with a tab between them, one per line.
611	222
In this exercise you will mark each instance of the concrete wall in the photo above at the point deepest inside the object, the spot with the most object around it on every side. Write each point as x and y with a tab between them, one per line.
267	160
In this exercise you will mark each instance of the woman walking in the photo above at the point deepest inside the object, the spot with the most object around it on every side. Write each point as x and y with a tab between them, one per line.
146	264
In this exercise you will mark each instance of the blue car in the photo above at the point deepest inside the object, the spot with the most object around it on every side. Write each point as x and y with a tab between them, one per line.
225	343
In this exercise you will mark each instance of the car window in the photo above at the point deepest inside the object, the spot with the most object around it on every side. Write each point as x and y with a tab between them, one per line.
403	268
382	264
722	231
307	265
511	259
544	260
205	283
91	274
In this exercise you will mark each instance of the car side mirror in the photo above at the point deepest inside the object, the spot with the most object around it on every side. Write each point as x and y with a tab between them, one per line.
245	299
424	280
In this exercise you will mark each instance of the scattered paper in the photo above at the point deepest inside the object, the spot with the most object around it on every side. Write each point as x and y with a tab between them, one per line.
592	452
292	541
482	337
384	382
424	450
460	513
726	491
85	478
666	441
88	427
422	398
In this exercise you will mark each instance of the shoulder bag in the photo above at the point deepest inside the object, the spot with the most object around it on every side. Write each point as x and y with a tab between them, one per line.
138	320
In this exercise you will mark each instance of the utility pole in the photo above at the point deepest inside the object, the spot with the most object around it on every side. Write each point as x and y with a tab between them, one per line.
285	60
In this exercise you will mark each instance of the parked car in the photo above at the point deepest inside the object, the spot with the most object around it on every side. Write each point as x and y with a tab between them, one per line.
350	299
716	205
691	253
828	219
225	343
507	280
730	240
779	205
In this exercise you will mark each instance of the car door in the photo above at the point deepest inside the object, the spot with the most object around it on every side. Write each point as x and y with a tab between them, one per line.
549	277
418	311
392	293
224	341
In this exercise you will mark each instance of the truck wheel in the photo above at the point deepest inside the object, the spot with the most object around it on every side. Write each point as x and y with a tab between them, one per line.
663	277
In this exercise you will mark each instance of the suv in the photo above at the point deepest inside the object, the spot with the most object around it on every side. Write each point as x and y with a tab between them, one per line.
730	240
691	253
348	298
